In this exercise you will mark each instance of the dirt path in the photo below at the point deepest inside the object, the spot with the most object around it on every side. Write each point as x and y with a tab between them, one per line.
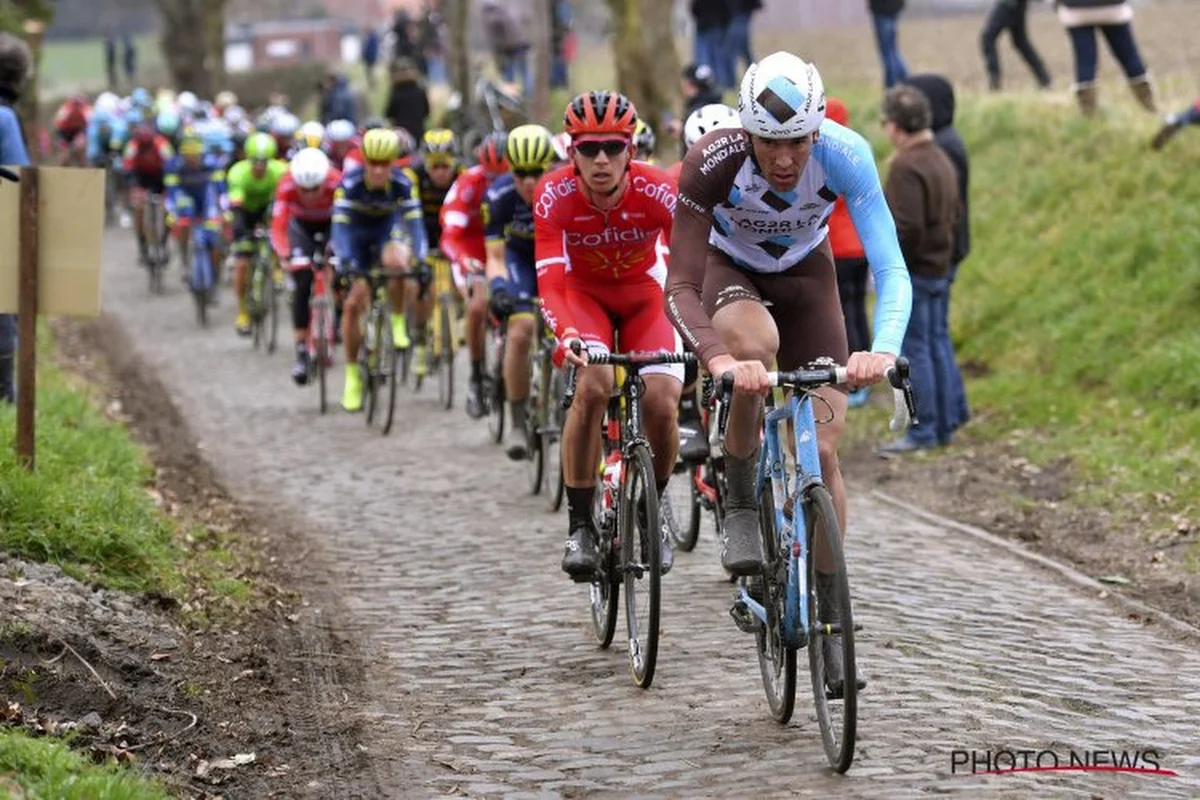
483	679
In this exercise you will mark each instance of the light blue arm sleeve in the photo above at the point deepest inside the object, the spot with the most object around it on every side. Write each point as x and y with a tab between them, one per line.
850	169
94	146
12	145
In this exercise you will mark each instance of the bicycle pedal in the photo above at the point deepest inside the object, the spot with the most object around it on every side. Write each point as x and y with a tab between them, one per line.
743	617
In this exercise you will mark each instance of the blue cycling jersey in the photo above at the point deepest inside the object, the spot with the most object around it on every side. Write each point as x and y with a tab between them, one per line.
508	218
357	207
194	190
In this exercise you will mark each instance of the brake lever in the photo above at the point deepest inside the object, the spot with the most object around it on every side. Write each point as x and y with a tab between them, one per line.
902	394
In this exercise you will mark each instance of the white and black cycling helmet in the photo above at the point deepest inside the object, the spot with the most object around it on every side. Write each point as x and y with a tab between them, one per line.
285	124
310	168
708	118
782	97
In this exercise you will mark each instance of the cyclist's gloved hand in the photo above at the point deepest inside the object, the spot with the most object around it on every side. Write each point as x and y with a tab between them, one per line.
574	348
501	302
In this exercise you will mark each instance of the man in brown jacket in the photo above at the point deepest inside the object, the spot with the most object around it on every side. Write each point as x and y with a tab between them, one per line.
922	191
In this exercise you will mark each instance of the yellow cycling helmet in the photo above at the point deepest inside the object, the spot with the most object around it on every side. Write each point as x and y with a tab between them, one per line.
440	142
191	145
530	147
644	139
380	144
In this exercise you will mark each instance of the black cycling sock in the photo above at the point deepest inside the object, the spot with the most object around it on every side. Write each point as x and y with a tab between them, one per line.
476	369
579	504
661	485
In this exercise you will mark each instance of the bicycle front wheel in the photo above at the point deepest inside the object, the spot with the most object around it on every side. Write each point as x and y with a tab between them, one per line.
446	345
370	368
389	364
271	303
836	706
320	356
534	422
641	562
551	436
681	508
776	660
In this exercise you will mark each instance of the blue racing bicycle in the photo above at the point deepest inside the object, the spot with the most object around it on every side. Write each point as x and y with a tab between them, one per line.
791	605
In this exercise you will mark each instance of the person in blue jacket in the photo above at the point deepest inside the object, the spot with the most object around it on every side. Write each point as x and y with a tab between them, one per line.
16	65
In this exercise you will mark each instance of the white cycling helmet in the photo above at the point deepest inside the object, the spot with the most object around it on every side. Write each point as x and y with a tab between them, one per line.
708	118
106	103
285	124
562	146
310	168
235	115
782	97
226	98
188	101
341	130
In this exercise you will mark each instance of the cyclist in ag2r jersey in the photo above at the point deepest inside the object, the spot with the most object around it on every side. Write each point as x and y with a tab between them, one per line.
251	183
600	275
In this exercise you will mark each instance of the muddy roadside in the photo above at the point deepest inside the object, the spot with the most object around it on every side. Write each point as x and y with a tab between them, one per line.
1140	552
251	699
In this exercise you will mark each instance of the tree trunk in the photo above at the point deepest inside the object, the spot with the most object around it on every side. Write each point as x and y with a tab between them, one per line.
647	64
459	57
540	107
193	43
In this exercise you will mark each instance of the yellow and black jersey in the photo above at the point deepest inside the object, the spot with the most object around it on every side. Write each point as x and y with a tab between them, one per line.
432	197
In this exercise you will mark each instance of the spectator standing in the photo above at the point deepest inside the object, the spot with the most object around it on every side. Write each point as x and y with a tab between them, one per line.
712	19
370	54
508	41
560	32
737	39
402	45
1114	19
885	16
1009	15
408	102
1175	123
130	60
851	263
433	42
110	60
696	84
16	65
337	100
922	192
940	93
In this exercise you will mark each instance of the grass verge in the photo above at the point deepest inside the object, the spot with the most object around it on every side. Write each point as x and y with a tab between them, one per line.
46	768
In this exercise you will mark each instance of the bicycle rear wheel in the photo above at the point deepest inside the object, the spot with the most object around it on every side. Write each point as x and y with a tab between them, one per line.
446	367
493	383
641	562
681	508
836	716
776	660
271	304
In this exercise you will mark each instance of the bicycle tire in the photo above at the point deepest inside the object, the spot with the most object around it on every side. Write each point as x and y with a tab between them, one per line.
202	285
271	301
551	442
321	353
370	364
839	749
641	557
535	415
604	591
776	660
388	363
683	496
446	357
493	383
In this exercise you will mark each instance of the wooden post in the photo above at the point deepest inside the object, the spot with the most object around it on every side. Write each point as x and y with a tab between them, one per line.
34	32
27	312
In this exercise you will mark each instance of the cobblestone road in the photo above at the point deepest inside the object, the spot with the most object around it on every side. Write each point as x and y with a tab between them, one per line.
490	683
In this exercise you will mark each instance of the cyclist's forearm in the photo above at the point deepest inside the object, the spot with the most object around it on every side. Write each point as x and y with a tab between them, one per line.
416	233
552	284
496	267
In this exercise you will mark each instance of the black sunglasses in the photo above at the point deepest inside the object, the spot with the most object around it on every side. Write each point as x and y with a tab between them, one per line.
611	147
530	172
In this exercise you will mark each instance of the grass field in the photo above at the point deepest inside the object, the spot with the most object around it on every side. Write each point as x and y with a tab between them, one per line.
78	64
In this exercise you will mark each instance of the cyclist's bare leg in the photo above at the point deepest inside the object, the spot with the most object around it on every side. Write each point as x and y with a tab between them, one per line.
355	304
519	341
476	318
139	224
747	329
581	431
660	407
395	256
241	267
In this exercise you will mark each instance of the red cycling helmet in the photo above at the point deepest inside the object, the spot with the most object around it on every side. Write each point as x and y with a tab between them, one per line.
492	153
600	112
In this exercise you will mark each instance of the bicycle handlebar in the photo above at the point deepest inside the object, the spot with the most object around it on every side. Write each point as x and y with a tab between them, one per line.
834	375
634	361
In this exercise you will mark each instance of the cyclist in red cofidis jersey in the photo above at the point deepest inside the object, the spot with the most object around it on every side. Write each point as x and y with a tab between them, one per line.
597	222
462	243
